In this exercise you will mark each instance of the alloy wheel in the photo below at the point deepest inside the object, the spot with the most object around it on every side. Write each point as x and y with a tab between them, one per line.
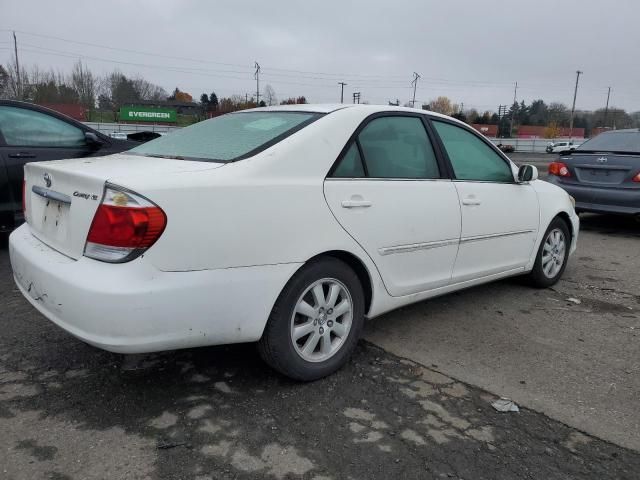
321	320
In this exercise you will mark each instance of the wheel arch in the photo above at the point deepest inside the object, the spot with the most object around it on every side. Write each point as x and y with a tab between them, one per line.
358	267
565	217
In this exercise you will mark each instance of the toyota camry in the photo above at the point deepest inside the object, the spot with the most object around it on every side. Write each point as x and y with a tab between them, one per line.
286	226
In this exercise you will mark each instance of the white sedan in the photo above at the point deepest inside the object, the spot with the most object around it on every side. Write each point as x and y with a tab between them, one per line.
286	226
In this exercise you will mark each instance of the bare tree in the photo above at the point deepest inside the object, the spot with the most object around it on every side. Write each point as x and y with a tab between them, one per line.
15	83
85	84
4	81
269	96
442	105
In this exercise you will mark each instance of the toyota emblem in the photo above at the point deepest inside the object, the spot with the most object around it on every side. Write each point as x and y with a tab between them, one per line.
47	180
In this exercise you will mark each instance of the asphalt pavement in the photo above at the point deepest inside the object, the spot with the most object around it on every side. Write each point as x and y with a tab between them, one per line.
415	402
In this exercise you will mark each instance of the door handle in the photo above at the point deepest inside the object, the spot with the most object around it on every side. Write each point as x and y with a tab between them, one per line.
356	204
22	155
472	200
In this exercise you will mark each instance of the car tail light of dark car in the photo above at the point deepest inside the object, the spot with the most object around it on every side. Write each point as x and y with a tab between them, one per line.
637	178
559	169
125	225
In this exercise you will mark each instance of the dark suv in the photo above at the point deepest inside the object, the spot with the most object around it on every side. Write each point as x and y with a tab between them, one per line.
31	133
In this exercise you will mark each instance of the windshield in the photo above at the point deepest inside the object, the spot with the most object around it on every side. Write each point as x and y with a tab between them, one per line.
621	141
227	137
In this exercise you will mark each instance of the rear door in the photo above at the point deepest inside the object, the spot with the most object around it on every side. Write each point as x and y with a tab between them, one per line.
390	193
500	217
33	136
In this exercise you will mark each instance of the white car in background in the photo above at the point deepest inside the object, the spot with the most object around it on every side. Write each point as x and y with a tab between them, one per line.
118	135
284	225
562	147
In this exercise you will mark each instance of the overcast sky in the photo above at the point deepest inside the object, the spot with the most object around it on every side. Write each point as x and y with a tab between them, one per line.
469	50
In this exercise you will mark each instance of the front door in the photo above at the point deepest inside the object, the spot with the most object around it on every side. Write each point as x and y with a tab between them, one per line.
388	193
500	217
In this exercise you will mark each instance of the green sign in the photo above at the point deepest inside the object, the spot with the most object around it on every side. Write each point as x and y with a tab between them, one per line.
147	114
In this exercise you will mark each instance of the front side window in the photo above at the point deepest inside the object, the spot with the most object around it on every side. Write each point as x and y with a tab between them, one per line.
227	137
22	127
471	158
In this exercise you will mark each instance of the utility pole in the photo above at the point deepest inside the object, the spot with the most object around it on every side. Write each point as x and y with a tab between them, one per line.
342	85
414	82
356	96
573	107
18	82
513	108
606	109
257	76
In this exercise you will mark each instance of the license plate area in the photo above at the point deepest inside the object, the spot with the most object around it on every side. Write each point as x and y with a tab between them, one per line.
53	219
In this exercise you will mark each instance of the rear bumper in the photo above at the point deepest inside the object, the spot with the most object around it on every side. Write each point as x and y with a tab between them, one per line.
135	308
602	200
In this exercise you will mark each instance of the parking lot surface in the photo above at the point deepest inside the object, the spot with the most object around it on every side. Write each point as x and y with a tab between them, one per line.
414	403
571	351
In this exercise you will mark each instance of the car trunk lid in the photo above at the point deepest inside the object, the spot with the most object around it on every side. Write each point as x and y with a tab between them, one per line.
602	169
62	196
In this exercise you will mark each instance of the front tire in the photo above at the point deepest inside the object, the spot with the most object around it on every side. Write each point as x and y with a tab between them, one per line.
552	255
316	322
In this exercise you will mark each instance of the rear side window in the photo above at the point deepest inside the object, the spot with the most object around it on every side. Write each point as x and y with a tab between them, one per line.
398	147
228	137
471	158
392	147
22	127
351	164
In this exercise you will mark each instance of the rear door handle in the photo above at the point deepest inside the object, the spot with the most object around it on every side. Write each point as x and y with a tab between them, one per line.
22	155
356	204
471	200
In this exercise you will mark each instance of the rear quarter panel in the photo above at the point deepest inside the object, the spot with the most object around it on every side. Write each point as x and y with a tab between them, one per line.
265	210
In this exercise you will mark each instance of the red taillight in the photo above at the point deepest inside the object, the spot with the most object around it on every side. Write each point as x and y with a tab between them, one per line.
559	169
129	227
124	225
637	178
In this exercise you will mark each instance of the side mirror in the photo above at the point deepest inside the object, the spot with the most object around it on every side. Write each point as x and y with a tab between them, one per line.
527	173
92	140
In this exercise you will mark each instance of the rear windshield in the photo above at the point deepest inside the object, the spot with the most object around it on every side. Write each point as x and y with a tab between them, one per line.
228	137
625	142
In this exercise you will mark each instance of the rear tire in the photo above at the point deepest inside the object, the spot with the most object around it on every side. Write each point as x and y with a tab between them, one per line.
316	321
552	256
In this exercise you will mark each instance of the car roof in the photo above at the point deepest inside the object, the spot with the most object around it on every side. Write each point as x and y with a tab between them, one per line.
332	107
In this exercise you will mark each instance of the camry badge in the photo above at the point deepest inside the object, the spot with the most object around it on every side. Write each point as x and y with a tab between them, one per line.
602	160
47	180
